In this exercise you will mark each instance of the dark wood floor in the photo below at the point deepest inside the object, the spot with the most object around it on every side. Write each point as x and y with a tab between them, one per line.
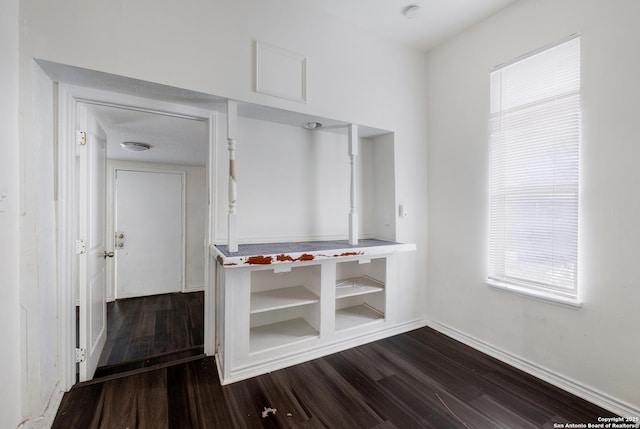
150	330
421	379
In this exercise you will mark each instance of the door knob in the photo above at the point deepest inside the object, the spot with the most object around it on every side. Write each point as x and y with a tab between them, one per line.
108	254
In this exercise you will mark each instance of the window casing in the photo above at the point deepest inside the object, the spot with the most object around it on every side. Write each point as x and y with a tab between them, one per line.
534	171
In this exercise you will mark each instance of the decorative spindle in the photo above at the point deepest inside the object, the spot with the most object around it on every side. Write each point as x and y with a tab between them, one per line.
353	214
232	218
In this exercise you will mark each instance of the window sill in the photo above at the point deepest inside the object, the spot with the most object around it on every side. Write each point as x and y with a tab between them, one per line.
540	295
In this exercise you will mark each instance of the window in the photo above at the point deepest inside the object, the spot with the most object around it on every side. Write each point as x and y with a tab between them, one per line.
533	166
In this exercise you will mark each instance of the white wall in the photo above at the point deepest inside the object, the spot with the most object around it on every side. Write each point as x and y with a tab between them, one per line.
596	346
40	369
294	184
9	262
197	207
206	46
195	217
384	187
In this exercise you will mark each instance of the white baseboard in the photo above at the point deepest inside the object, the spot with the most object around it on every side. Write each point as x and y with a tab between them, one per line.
603	400
193	288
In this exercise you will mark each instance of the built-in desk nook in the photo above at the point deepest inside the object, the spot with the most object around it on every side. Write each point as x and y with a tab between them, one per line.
281	304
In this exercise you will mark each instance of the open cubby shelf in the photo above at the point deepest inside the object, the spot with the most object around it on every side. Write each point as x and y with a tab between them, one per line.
281	298
356	316
357	286
285	308
280	334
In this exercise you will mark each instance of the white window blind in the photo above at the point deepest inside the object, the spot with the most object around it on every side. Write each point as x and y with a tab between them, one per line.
534	166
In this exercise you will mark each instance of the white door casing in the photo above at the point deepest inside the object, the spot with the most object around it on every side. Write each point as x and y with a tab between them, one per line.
91	161
149	222
68	178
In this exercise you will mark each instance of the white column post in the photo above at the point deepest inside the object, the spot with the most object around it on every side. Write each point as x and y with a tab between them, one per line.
232	218
353	214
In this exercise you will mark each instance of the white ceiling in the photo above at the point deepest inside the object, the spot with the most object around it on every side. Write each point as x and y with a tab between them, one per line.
173	139
436	21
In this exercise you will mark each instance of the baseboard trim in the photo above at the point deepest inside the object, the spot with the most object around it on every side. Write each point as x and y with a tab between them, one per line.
196	288
603	400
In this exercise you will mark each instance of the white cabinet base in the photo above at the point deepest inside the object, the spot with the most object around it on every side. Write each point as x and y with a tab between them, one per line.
281	309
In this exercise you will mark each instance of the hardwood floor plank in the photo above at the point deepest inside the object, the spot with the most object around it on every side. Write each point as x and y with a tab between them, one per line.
144	325
195	316
118	406
385	425
421	379
243	404
461	381
466	357
467	415
518	389
152	400
181	409
376	395
423	405
79	407
329	397
208	397
279	393
374	363
547	397
503	416
139	328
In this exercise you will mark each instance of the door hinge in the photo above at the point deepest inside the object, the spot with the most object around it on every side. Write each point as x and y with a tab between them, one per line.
81	247
81	355
81	137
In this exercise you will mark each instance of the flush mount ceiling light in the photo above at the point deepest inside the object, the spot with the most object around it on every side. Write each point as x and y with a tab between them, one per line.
311	125
411	11
135	146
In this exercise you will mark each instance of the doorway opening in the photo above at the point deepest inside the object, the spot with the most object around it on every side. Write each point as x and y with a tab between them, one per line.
156	216
98	97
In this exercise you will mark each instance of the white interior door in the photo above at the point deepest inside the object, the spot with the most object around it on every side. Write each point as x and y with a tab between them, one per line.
149	225
91	158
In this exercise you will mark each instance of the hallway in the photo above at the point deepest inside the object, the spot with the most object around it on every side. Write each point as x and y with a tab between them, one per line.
152	330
